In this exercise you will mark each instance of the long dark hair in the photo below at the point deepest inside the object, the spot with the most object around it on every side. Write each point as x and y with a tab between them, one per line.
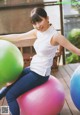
36	15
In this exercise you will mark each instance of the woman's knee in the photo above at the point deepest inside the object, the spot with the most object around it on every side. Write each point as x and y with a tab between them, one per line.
10	96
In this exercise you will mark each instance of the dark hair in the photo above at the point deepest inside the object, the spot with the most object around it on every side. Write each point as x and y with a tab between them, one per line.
36	15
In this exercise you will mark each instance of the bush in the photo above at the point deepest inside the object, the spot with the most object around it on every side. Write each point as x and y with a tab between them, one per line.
74	38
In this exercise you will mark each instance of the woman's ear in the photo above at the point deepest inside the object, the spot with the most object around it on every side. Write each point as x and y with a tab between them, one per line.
48	18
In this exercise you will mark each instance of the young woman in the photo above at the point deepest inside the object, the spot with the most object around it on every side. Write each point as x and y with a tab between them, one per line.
45	46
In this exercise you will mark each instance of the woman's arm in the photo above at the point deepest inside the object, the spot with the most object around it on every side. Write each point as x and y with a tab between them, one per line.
60	39
17	37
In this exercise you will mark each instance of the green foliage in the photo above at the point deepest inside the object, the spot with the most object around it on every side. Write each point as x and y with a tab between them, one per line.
76	5
74	38
73	58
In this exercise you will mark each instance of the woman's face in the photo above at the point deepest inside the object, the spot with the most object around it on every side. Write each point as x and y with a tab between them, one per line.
42	25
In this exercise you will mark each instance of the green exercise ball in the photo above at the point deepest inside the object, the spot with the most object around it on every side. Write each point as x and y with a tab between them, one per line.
11	62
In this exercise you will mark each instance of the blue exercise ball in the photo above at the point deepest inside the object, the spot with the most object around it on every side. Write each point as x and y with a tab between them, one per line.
75	88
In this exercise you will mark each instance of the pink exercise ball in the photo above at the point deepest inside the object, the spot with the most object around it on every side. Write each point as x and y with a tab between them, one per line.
46	99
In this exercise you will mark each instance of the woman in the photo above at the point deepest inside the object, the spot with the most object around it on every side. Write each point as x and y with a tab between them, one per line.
45	46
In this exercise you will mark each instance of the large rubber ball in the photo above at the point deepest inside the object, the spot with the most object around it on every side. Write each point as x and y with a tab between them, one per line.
75	87
46	99
11	62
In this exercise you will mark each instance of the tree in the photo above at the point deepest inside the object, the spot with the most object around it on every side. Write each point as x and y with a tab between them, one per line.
74	38
76	4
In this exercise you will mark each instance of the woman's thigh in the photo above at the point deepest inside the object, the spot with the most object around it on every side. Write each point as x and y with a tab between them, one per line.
25	71
26	83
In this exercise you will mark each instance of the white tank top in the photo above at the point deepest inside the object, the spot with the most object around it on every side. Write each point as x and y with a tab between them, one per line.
41	62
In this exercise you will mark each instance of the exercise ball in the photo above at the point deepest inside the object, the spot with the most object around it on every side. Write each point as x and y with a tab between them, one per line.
75	88
46	99
11	62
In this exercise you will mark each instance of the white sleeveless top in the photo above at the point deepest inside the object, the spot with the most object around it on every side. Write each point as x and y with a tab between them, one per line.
41	62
